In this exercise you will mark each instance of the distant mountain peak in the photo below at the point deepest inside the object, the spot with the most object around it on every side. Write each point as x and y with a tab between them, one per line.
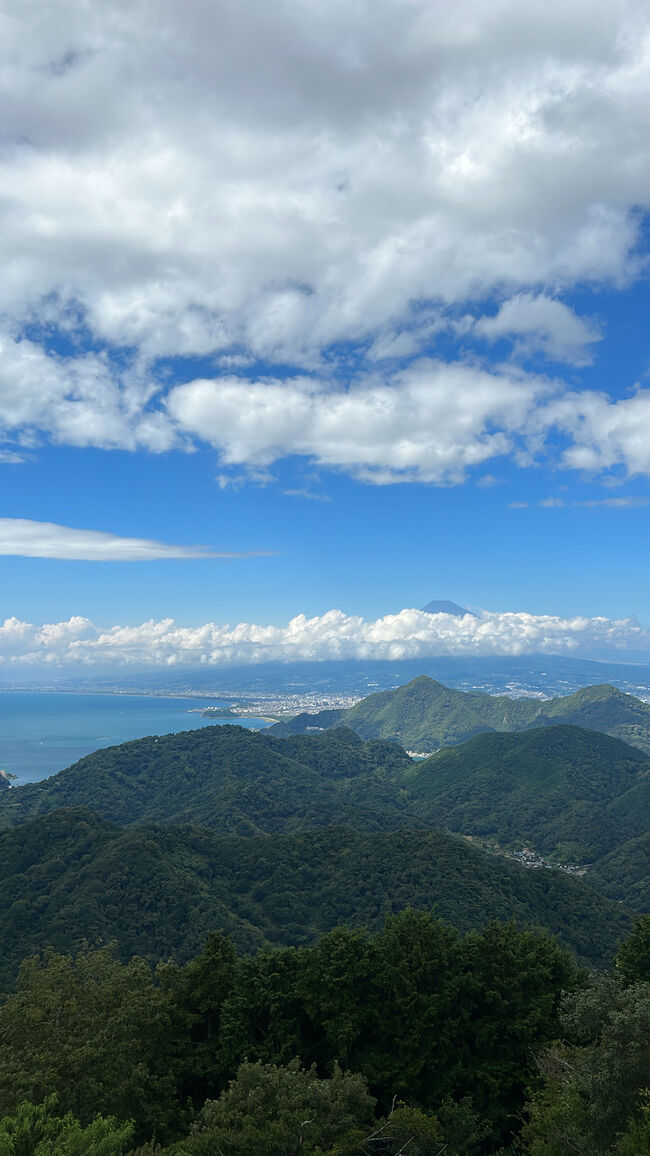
445	607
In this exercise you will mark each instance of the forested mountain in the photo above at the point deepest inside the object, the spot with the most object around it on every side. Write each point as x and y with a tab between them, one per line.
425	715
570	793
231	779
158	890
436	1032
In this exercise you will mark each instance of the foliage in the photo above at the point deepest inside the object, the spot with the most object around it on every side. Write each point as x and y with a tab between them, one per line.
424	715
286	1031
594	1098
559	790
413	1127
158	891
227	778
278	1111
444	1023
96	1032
38	1130
633	959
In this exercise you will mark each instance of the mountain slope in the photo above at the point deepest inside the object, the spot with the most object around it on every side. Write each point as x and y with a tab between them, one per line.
570	793
228	778
425	715
600	708
158	890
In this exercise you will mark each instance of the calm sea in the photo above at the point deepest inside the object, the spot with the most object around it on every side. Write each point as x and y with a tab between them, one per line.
40	733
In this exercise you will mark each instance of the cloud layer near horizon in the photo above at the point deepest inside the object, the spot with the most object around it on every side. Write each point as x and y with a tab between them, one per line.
323	188
335	635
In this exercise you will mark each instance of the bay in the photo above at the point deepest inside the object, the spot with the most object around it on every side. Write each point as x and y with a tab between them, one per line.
43	732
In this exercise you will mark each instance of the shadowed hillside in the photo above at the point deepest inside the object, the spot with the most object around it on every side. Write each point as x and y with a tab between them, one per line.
158	890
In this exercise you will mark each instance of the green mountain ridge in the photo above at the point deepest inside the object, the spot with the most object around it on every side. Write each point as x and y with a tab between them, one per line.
574	796
571	793
425	715
230	779
275	840
157	890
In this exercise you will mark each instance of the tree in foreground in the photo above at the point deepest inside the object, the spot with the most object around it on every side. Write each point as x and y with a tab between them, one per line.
279	1111
39	1130
96	1032
633	959
594	1101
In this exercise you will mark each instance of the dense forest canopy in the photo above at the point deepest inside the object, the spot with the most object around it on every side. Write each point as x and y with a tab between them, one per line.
575	796
356	1045
157	890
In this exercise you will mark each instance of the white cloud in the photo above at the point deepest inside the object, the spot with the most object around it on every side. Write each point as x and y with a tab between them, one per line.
280	178
335	635
29	539
428	423
630	502
541	324
252	181
604	434
77	400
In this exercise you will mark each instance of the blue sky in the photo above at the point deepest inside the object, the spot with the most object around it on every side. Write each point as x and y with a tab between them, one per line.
330	307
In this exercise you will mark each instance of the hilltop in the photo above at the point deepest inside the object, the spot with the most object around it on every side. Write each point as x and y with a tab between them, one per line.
233	780
425	715
446	607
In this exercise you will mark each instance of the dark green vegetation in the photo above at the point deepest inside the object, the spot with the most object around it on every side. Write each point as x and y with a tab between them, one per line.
572	794
230	779
402	1032
441	1022
424	715
158	890
415	1038
594	1097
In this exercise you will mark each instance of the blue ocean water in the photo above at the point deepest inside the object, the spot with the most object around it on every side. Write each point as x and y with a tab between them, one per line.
41	733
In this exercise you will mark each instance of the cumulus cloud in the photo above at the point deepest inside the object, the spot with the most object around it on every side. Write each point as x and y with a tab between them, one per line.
540	324
29	539
78	400
281	182
294	176
604	434
313	167
334	635
428	423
